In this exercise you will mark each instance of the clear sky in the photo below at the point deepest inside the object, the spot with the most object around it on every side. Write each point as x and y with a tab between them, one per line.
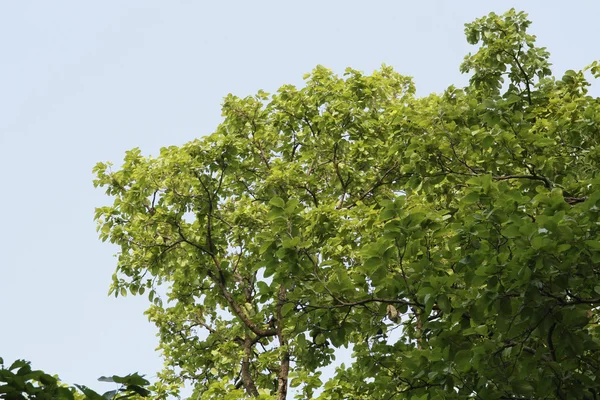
84	81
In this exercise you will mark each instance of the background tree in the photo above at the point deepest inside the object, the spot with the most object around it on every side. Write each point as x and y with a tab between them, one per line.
327	216
19	382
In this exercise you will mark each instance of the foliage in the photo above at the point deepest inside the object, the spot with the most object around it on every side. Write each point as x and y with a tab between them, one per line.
328	216
20	382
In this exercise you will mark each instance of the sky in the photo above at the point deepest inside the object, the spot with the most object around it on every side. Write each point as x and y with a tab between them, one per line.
84	81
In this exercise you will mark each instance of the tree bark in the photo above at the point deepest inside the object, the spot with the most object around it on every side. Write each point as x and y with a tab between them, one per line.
284	368
245	374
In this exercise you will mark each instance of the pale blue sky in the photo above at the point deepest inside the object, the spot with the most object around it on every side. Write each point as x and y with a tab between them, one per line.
84	81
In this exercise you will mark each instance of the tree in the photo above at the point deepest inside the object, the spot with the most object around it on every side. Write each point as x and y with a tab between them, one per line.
19	382
329	215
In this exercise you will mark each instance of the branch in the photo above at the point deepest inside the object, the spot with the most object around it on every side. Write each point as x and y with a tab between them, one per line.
184	239
527	82
377	184
339	175
342	304
238	310
550	344
579	300
312	194
575	200
546	181
220	281
463	162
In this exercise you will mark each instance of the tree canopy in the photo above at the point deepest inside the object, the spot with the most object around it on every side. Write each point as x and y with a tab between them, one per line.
328	216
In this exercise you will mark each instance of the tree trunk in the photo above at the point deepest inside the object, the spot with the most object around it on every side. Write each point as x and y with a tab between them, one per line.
245	374
284	368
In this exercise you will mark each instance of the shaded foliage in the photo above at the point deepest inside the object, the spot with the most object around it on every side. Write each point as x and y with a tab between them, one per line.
19	382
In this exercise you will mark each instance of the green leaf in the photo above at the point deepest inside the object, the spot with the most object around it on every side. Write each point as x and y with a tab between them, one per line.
277	202
593	244
64	393
262	287
7	389
47	379
18	364
291	206
110	394
264	247
523	387
471	197
487	142
139	390
463	360
444	303
544	142
320	339
286	308
276	213
89	393
511	231
24	370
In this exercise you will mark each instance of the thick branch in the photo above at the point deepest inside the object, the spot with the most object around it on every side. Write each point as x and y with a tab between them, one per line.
284	368
220	280
245	373
238	310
